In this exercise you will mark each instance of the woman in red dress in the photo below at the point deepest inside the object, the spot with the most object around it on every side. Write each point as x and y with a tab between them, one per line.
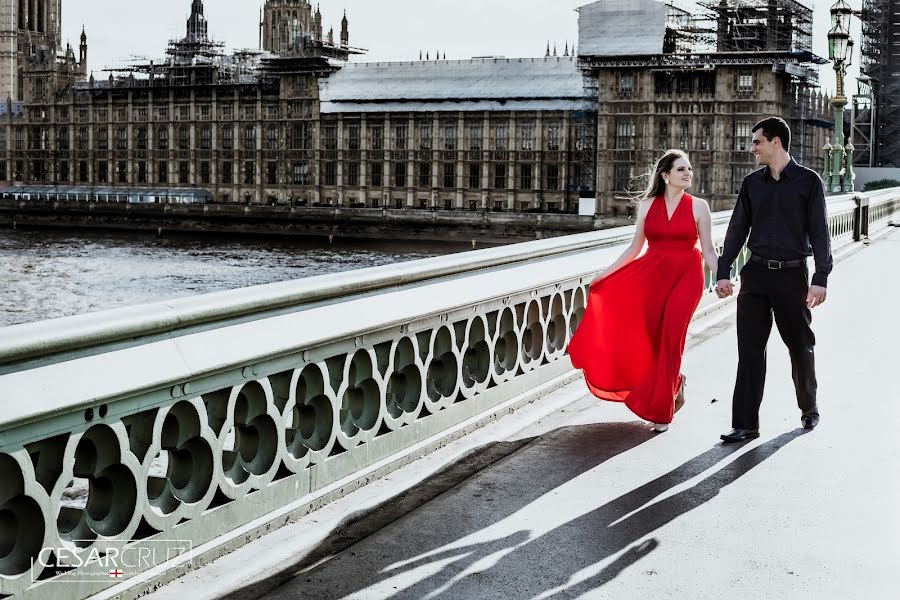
630	342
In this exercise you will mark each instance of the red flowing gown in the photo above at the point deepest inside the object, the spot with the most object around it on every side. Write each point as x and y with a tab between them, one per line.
630	342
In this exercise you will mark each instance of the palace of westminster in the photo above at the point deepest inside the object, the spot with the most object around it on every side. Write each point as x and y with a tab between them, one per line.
302	121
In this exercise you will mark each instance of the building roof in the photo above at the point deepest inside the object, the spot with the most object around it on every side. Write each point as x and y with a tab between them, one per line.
621	28
553	83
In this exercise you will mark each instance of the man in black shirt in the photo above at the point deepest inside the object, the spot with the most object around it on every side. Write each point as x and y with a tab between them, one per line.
782	208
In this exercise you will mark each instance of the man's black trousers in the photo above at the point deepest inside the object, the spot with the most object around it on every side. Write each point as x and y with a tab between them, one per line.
767	293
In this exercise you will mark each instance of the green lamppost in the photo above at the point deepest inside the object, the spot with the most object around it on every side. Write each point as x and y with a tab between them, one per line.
840	51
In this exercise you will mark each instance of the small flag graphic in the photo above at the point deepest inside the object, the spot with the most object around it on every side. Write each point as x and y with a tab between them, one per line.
116	573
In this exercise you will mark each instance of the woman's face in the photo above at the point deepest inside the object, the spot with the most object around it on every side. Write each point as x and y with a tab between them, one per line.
681	173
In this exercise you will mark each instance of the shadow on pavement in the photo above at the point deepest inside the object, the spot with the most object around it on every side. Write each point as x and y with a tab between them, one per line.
524	566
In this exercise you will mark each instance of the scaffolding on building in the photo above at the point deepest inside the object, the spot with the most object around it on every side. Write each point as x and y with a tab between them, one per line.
761	25
781	26
196	60
738	26
881	63
691	41
862	123
688	31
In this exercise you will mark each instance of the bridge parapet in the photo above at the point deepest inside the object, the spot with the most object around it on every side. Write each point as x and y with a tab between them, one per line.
215	418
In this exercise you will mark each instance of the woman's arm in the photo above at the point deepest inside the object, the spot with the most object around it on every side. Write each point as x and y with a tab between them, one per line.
703	218
633	249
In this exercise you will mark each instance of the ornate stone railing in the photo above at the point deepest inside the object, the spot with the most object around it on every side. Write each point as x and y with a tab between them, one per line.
203	423
880	211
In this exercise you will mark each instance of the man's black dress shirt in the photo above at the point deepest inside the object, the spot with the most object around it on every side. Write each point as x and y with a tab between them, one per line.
785	219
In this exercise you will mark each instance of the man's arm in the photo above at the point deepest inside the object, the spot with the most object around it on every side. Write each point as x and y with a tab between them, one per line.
738	229
819	237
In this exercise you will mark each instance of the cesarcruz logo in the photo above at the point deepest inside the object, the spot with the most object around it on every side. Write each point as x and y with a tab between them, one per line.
72	564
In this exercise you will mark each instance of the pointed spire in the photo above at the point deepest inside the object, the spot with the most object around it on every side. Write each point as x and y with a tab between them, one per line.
317	23
345	31
566	53
554	49
548	50
427	56
196	24
420	55
82	51
445	55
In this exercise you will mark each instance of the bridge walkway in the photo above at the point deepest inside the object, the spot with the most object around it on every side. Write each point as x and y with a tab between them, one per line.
574	498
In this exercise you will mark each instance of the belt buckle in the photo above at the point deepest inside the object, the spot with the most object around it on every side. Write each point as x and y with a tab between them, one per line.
775	265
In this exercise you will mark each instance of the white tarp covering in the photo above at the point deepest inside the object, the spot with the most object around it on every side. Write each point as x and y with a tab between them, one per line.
621	28
553	83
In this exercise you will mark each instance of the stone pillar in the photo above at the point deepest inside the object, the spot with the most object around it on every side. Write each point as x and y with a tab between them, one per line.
460	160
364	159
339	200
486	162
411	163
436	161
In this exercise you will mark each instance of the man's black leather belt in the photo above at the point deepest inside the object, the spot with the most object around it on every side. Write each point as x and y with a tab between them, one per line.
777	265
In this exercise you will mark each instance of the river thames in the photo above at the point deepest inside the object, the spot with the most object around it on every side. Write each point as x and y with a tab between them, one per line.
50	273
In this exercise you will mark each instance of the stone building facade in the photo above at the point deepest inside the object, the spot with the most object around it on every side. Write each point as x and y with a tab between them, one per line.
481	134
670	79
709	112
297	123
29	30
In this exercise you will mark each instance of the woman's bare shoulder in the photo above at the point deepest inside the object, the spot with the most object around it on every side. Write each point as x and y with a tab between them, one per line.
700	204
644	206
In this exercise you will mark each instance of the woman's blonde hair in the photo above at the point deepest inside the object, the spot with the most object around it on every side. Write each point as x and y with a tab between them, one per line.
656	186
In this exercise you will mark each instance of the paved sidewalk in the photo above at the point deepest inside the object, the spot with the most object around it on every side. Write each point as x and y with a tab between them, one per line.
593	505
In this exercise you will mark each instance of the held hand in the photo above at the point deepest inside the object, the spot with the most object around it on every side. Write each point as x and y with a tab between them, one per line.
724	288
816	296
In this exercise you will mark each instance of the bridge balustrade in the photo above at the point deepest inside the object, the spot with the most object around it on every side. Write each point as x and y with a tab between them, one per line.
214	419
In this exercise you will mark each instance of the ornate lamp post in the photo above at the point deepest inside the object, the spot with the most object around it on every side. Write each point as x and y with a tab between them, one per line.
840	52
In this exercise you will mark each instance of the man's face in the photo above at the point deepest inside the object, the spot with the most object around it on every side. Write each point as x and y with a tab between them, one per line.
762	149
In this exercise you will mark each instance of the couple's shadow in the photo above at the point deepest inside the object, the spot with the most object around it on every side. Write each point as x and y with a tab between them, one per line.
522	565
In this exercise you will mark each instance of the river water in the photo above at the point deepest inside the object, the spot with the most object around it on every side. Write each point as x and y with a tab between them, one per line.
49	273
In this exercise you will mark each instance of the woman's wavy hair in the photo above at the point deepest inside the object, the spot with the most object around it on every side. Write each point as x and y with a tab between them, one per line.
655	184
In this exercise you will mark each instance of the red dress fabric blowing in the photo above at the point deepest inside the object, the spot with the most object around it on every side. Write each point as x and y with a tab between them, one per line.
630	342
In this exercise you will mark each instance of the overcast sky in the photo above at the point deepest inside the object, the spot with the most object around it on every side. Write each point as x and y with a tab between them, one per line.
389	29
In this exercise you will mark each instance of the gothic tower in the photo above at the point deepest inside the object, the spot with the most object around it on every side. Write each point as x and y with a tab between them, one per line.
345	34
26	26
196	24
288	26
82	53
318	23
9	32
292	28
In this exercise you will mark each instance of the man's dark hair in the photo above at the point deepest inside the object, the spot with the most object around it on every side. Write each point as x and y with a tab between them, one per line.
775	127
